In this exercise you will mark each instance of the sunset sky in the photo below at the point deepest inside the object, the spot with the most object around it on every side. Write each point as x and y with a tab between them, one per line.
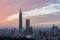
40	12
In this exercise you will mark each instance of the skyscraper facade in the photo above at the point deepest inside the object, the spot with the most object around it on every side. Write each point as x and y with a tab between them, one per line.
27	23
20	22
28	27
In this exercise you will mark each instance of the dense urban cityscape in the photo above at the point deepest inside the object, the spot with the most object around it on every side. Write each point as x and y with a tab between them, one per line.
29	19
28	34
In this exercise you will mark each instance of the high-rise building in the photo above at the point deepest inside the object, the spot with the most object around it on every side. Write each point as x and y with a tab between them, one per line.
54	29
27	25
20	22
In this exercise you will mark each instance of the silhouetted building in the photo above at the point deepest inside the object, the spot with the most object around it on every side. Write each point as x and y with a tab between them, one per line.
28	29
54	30
20	22
27	25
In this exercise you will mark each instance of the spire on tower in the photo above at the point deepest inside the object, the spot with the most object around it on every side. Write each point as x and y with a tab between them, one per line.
20	22
20	11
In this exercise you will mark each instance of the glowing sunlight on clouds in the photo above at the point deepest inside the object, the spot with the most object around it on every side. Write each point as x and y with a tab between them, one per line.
49	9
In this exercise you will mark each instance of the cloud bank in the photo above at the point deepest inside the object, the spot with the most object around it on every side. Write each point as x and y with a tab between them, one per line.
48	9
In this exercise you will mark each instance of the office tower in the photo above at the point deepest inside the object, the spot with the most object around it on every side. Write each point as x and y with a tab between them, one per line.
54	29
20	22
28	29
27	25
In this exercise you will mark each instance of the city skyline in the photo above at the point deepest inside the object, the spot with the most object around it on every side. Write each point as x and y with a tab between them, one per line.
46	12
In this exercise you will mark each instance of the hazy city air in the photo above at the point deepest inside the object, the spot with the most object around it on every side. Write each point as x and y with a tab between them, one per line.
29	19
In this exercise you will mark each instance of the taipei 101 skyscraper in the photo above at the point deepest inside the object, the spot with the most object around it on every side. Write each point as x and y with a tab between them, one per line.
20	22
